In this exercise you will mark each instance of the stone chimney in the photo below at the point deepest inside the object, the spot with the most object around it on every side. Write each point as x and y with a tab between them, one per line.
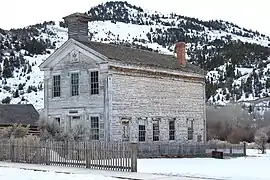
77	26
180	49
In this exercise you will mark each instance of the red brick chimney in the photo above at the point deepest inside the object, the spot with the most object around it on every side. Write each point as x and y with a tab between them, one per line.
180	50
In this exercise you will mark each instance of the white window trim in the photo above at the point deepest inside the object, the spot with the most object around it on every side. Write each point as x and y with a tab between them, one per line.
52	84
89	84
70	88
172	119
95	115
188	120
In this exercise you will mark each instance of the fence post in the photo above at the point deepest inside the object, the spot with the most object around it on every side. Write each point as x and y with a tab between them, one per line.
12	152
134	153
245	149
47	151
86	150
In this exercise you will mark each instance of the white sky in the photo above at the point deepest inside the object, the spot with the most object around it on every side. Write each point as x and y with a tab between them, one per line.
252	14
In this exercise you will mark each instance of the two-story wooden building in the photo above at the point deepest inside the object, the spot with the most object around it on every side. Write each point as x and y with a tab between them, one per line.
123	93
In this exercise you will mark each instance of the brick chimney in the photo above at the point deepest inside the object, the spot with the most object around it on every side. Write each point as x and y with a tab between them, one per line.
180	49
77	26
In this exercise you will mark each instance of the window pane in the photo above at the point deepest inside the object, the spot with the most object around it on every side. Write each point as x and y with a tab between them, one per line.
155	130
142	132
75	84
56	86
172	130
199	138
190	133
94	128
94	82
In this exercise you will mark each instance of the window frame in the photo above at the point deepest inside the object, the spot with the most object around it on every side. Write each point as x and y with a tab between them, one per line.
95	130
156	129
142	133
94	90
190	123
172	130
125	134
141	130
57	120
74	85
199	138
54	87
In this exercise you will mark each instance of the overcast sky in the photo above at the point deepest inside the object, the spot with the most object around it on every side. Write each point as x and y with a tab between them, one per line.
252	14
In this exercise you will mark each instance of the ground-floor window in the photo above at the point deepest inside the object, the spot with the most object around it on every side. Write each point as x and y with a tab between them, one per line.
190	129
142	130
95	128
155	129
199	138
172	129
57	120
125	129
73	121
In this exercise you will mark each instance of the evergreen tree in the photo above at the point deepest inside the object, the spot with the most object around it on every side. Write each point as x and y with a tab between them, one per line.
7	69
16	94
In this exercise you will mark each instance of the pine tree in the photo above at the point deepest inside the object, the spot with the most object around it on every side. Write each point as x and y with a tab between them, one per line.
7	69
16	94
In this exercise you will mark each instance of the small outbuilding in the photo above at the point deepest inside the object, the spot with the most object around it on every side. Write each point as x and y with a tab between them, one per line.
24	114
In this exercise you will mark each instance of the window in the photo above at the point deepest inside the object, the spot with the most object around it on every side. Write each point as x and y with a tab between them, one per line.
125	130
56	86
75	84
57	120
199	138
94	82
172	129
95	128
190	129
155	129
142	132
73	120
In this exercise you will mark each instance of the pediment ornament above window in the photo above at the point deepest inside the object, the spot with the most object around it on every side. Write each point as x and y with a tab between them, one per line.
74	56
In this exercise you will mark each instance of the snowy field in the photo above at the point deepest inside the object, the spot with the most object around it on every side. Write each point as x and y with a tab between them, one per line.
20	174
252	167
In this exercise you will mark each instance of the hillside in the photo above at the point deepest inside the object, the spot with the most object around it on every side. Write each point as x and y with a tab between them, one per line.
237	59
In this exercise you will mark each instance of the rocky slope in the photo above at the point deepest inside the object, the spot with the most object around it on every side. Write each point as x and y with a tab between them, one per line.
237	59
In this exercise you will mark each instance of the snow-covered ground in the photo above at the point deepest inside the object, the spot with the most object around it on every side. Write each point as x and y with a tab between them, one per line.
15	174
253	167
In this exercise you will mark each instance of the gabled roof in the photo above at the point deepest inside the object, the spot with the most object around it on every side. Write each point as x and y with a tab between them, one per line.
140	57
18	113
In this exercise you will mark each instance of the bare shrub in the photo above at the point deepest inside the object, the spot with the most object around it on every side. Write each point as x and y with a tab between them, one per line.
15	131
261	138
230	131
52	131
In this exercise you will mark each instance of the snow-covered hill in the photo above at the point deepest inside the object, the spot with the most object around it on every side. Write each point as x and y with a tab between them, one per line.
237	59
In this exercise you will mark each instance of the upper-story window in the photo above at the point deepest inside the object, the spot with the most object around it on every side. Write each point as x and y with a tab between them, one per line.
74	84
94	82
56	86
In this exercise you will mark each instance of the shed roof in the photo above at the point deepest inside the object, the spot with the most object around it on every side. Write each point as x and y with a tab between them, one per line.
18	113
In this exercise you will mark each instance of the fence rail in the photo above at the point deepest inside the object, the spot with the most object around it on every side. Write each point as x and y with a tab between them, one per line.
116	156
146	150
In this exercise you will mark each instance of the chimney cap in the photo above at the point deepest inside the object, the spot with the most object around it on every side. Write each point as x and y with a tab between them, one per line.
181	43
77	15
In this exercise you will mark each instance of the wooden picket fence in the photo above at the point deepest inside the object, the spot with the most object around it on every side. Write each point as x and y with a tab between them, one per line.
118	156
